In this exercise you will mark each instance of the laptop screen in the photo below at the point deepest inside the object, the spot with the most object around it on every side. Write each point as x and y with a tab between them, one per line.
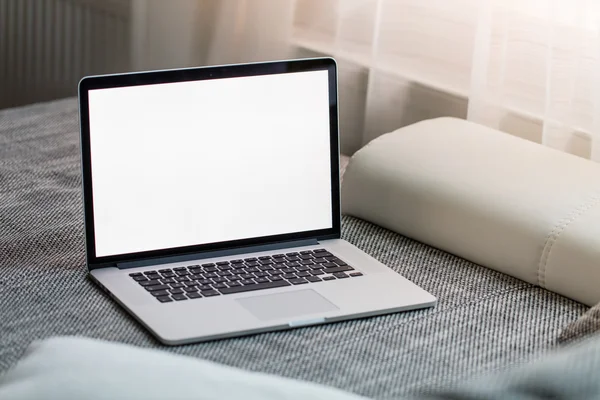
208	161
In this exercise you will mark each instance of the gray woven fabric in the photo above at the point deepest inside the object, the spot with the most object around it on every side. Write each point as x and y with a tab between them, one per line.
587	325
485	321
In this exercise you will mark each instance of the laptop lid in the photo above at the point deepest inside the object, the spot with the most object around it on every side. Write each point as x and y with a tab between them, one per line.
181	162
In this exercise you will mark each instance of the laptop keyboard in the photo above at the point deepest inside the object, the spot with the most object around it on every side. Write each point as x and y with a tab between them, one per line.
243	275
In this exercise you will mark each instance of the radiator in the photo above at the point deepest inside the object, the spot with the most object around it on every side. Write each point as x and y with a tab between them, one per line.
46	46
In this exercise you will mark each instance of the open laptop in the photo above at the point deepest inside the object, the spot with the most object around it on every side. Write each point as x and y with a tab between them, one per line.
212	202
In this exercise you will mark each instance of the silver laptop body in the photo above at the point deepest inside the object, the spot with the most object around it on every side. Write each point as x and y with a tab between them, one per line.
212	202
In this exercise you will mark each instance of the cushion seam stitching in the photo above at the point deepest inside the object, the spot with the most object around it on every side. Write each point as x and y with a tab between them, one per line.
553	236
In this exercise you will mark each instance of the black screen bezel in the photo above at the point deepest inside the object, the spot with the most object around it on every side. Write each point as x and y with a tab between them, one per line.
193	74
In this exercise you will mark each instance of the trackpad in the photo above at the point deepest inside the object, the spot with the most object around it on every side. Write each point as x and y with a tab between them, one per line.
287	305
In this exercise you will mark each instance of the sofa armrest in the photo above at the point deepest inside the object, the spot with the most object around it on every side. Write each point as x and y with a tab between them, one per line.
503	202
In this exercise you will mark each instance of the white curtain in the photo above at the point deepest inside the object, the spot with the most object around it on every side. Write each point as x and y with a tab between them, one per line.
530	68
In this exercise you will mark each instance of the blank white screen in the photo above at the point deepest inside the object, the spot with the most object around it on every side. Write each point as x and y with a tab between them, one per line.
199	162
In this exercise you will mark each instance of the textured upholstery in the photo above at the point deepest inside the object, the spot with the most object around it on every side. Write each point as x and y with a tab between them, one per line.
484	320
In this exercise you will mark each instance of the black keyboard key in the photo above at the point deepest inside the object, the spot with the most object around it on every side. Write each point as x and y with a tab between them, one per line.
168	280
233	284
276	278
238	266
291	254
306	257
210	293
179	269
150	273
208	265
247	282
319	251
224	273
182	279
302	268
305	252
176	291
292	264
197	277
239	261
205	281
356	274
251	270
293	258
246	276
340	275
279	266
329	265
250	259
276	272
320	260
252	264
265	268
195	271
140	278
191	283
234	278
183	273
266	262
219	280
205	287
289	276
164	299
210	269
168	274
298	281
313	279
159	293
258	286
317	272
288	270
149	282
156	287
316	266
135	274
223	263
196	266
337	269
261	280
224	267
278	255
211	275
219	286
177	285
193	295
302	274
264	257
162	271
179	297
325	254
328	278
190	289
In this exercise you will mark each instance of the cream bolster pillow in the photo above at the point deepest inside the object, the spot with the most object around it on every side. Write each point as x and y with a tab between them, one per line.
494	199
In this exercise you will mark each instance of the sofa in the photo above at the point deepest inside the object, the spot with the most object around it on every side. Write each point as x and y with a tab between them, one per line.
486	320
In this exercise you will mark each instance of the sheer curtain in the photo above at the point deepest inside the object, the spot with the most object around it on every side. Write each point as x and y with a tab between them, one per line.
530	68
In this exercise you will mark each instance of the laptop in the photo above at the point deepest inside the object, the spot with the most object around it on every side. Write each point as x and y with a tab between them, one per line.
212	202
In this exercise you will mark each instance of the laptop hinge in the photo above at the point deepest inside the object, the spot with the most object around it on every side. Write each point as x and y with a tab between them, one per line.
216	253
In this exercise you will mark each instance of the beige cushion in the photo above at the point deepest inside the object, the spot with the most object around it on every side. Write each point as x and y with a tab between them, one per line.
70	368
497	200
